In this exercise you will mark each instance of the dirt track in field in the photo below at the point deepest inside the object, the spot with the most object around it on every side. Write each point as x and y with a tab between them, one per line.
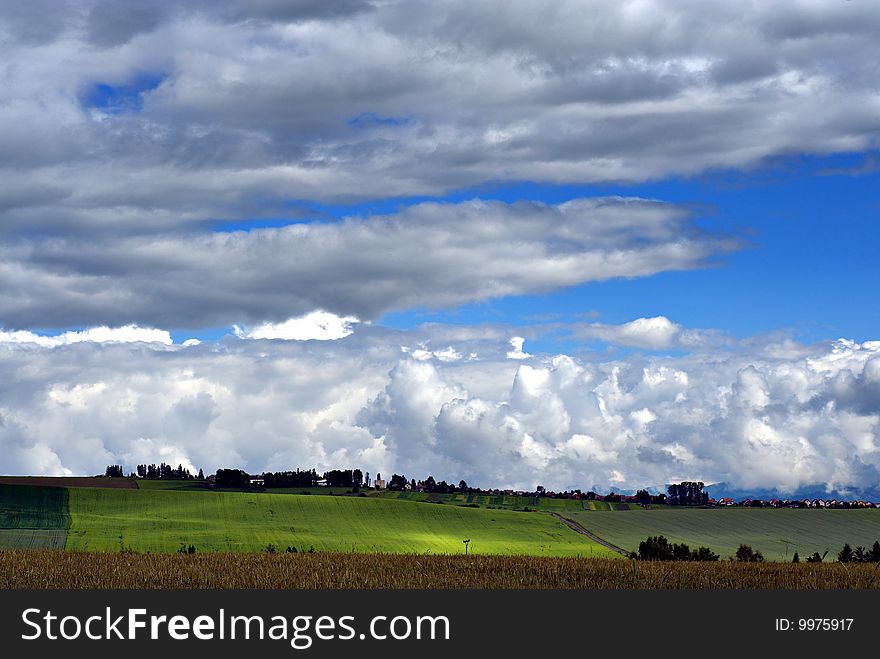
592	536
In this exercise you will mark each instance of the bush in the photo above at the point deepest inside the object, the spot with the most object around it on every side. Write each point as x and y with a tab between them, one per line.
270	548
704	554
655	548
745	554
658	548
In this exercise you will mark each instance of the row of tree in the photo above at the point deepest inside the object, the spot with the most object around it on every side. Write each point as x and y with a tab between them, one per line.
154	471
658	548
232	478
298	478
166	471
353	478
687	493
399	482
860	554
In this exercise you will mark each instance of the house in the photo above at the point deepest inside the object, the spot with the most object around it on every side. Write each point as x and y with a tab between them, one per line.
256	481
379	482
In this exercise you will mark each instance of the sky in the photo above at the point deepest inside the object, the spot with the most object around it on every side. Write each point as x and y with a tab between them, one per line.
577	244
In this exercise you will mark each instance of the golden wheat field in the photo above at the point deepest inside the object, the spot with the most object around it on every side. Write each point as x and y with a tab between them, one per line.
63	569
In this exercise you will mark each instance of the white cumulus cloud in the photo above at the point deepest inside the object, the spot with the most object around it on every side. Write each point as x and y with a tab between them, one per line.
318	325
127	334
742	415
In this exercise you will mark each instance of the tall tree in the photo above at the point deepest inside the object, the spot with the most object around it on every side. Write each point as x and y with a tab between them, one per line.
745	554
397	482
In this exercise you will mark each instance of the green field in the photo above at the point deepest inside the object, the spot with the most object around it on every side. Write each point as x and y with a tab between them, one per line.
162	520
776	533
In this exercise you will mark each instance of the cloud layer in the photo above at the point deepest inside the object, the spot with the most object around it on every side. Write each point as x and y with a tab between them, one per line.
759	414
428	255
138	119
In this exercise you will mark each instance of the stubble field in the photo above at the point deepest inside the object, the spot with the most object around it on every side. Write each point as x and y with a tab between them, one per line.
95	570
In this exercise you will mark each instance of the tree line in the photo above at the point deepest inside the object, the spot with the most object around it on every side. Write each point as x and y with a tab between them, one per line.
353	478
399	482
860	554
658	548
687	493
153	471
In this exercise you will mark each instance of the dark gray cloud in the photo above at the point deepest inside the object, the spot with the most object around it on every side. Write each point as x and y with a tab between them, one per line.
429	255
36	22
290	10
115	23
260	103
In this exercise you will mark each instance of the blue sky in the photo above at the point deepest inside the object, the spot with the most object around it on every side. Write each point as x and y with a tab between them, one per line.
810	233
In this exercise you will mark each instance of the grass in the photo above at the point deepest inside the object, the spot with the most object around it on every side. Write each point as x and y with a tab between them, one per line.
162	520
48	569
776	533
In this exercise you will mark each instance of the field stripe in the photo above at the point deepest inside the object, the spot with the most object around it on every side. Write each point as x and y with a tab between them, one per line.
33	538
28	507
